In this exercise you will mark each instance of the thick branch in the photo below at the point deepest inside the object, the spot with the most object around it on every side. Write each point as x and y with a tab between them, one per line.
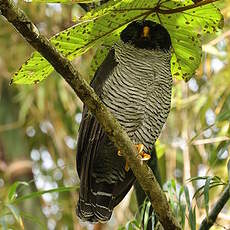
64	67
210	220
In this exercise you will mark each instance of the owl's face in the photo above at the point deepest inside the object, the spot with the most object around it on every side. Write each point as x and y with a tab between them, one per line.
146	34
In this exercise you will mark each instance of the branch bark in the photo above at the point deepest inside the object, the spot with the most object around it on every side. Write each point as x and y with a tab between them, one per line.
211	218
64	67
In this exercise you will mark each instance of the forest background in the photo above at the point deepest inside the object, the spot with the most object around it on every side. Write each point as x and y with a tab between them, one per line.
39	124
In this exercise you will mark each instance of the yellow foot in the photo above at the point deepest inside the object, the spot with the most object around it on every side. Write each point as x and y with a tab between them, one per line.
144	156
119	153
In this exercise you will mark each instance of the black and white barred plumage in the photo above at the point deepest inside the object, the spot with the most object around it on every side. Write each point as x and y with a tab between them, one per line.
135	83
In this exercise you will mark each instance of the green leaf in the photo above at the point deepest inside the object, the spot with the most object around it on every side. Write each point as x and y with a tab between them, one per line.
12	190
39	193
182	214
197	178
187	197
146	215
64	1
132	225
191	217
153	219
186	30
224	114
160	149
228	167
206	195
103	25
199	192
181	192
173	183
194	219
97	60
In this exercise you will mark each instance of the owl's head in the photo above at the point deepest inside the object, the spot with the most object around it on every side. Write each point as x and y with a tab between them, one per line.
146	34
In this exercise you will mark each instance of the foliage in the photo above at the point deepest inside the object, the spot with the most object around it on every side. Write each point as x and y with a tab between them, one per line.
141	221
39	123
101	27
10	205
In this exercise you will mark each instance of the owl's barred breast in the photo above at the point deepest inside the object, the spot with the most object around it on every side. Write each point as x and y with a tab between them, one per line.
138	92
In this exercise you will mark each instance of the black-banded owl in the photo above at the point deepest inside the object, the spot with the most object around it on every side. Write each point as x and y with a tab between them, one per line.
135	83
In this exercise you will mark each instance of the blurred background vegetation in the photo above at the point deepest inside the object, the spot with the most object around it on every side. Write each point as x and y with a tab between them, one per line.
39	124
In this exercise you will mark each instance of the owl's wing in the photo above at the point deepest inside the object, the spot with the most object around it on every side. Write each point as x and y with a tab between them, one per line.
103	181
86	136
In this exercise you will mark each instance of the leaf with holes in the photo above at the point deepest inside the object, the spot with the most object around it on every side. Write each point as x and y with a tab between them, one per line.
186	29
65	1
103	25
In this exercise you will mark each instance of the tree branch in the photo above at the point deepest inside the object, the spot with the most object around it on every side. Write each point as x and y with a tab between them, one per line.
64	67
210	220
159	10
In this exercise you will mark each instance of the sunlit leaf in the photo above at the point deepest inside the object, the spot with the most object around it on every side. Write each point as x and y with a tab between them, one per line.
160	149
173	183
186	30
64	1
103	25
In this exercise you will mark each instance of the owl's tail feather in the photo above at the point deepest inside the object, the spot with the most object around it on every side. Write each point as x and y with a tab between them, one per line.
98	204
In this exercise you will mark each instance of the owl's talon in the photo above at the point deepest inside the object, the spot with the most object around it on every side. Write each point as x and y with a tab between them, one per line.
144	156
119	153
140	148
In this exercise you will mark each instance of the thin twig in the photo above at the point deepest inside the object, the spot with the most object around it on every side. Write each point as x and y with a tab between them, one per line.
116	134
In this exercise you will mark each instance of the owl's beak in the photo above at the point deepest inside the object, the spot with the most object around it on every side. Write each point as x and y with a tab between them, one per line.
145	32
